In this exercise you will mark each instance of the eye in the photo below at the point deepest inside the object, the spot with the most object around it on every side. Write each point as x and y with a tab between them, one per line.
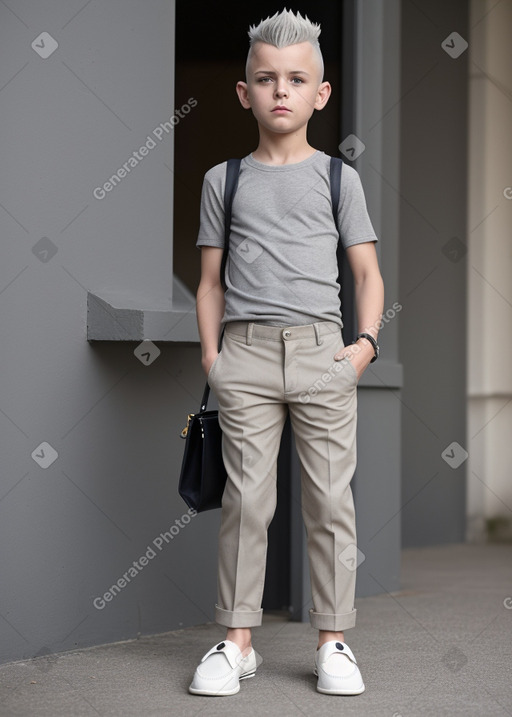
265	80
298	80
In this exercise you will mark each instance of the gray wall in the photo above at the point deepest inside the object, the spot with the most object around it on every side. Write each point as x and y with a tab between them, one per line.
377	484
433	271
69	531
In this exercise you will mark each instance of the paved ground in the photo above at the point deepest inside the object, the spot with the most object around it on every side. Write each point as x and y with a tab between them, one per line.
440	646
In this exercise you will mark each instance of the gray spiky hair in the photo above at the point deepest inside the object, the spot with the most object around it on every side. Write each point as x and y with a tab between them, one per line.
284	29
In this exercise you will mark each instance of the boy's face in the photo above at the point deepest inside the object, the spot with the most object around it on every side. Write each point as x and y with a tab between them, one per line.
288	78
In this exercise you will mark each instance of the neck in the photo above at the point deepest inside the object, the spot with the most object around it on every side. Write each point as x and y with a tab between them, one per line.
282	148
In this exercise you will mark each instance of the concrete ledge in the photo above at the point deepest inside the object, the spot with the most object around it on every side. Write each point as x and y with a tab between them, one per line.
127	316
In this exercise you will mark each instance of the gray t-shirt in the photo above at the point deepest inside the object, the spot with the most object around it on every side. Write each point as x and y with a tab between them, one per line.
282	268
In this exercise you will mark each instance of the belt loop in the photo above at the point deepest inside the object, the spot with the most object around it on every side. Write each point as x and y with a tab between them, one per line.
319	341
250	327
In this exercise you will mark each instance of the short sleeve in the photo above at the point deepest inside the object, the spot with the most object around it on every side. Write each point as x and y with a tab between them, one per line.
211	228
353	219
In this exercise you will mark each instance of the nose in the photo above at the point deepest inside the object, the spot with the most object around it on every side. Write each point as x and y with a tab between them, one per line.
281	89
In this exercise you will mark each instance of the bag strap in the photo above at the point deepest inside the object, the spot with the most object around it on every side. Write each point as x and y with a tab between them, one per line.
232	174
335	177
204	400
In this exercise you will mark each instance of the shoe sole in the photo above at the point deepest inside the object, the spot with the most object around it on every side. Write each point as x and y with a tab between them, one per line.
335	691
210	693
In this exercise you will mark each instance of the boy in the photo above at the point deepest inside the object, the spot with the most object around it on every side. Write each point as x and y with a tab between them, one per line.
282	351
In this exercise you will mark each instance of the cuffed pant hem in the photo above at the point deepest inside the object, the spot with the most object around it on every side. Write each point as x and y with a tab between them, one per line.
334	623
239	618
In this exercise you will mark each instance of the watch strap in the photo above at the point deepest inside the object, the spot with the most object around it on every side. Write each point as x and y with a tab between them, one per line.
375	345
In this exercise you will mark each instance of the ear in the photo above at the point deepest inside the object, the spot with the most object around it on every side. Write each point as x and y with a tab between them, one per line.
322	95
243	94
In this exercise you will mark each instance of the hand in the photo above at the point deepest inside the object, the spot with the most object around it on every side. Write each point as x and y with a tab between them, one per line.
207	362
359	354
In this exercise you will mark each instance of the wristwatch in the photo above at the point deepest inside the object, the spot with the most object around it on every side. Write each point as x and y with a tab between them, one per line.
373	343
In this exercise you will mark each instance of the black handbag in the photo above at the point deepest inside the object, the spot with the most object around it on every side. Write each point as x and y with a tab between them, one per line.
203	475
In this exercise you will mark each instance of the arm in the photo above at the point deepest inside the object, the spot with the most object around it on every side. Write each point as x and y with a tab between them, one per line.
369	293
210	304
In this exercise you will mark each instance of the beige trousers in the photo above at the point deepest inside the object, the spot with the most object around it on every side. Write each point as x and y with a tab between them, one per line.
261	373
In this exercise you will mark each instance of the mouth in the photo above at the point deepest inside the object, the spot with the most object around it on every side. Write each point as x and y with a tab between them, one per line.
281	108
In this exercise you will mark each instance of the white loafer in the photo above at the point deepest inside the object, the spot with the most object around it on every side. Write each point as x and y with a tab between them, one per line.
337	670
220	670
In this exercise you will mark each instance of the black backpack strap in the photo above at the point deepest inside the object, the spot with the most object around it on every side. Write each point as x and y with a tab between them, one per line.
232	172
335	178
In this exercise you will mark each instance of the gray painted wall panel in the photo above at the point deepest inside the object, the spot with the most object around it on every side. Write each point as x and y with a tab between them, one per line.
70	530
432	271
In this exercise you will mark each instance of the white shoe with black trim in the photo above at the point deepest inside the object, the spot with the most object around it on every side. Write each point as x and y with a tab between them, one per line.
221	669
337	670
